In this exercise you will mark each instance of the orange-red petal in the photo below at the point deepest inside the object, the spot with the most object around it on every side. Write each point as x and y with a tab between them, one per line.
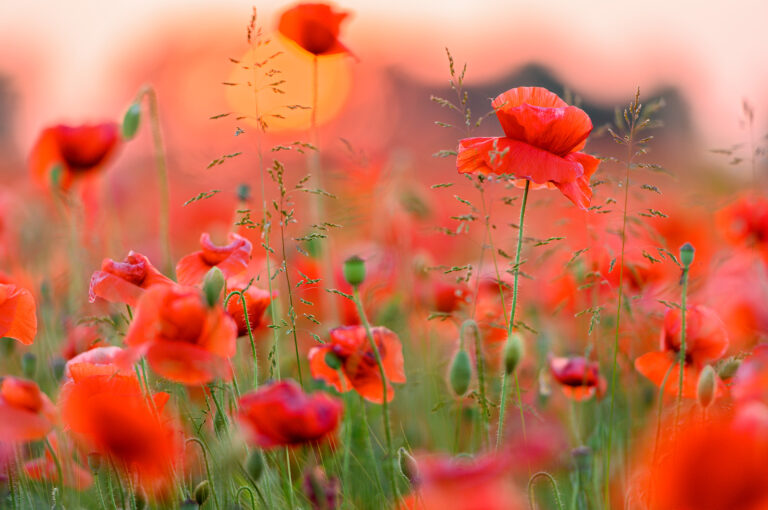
18	319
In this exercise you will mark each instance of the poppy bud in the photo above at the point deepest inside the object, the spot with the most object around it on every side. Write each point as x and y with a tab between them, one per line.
213	285
28	365
582	457
461	372
728	368
332	360
686	254
141	499
57	367
202	491
243	192
94	462
322	492
254	465
354	270
188	504
131	121
514	350
705	390
408	466
7	346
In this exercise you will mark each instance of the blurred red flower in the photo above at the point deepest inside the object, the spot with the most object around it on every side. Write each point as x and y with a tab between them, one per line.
281	414
81	338
542	138
125	282
183	339
706	340
75	151
751	380
45	467
26	413
256	301
18	319
231	258
358	361
579	377
314	27
744	223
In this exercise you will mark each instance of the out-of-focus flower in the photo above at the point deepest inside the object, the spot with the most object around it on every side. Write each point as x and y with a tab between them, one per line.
183	338
26	413
125	282
45	467
232	259
542	138
446	483
256	301
751	380
314	27
579	377
322	492
72	152
744	223
81	338
281	414
18	319
104	360
706	340
358	367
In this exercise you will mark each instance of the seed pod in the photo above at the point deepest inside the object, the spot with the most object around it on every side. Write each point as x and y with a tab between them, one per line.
514	350
686	254
728	368
254	465
202	491
354	270
213	285
460	373
707	386
131	121
408	466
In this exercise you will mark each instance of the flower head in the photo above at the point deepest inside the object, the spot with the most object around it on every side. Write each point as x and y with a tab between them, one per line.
125	282
17	314
256	302
26	413
232	259
579	377
314	27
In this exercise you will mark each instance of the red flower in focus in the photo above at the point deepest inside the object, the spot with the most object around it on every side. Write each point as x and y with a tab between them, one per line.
579	378
232	259
358	361
183	339
314	27
17	314
281	414
744	223
26	413
445	483
125	282
109	415
45	468
542	138
706	340
75	151
256	301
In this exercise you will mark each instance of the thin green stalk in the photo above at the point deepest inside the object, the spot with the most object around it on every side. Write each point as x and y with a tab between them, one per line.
555	491
511	325
384	402
480	362
681	356
211	483
250	333
291	310
290	479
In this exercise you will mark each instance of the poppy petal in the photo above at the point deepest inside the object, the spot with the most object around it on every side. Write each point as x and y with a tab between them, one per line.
186	363
18	319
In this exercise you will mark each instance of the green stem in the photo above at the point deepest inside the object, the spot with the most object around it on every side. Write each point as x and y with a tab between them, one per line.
510	326
211	483
480	361
681	357
291	310
555	491
290	479
250	332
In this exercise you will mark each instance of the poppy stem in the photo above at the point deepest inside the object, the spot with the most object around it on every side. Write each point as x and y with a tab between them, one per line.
552	482
510	327
480	362
681	357
212	485
384	403
250	333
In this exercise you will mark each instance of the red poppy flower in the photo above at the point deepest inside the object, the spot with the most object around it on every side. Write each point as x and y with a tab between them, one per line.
45	467
281	414
105	360
314	27
256	301
18	319
744	223
445	483
183	339
109	415
26	413
232	259
75	150
448	297
125	282
358	361
751	380
706	340
579	378
542	138
81	338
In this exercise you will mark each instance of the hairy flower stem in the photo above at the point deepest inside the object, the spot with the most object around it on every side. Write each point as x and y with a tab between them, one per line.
291	309
681	356
553	483
480	360
510	327
208	473
250	333
384	404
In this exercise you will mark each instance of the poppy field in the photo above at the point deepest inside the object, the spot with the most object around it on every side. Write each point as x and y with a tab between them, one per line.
342	287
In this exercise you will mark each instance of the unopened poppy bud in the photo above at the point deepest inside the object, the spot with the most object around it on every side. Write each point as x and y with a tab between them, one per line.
582	457
254	465
461	372
728	368
131	121
354	270
58	364
202	491
705	390
332	360
686	254
94	462
141	499
322	492
7	346
408	466
514	350
213	285
28	365
243	192
189	504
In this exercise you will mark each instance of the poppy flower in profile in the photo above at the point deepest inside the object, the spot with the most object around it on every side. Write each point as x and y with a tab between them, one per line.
744	223
109	415
281	414
543	137
256	301
706	340
359	370
231	258
45	468
72	152
104	360
126	281
26	413
18	319
579	377
183	338
314	27
447	483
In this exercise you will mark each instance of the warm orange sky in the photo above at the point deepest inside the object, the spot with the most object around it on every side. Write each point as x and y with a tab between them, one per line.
61	55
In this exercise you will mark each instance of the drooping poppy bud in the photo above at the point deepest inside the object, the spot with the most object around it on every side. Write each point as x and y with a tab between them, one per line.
202	492
408	466
707	386
514	350
254	465
354	270
686	254
131	121
460	373
213	285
